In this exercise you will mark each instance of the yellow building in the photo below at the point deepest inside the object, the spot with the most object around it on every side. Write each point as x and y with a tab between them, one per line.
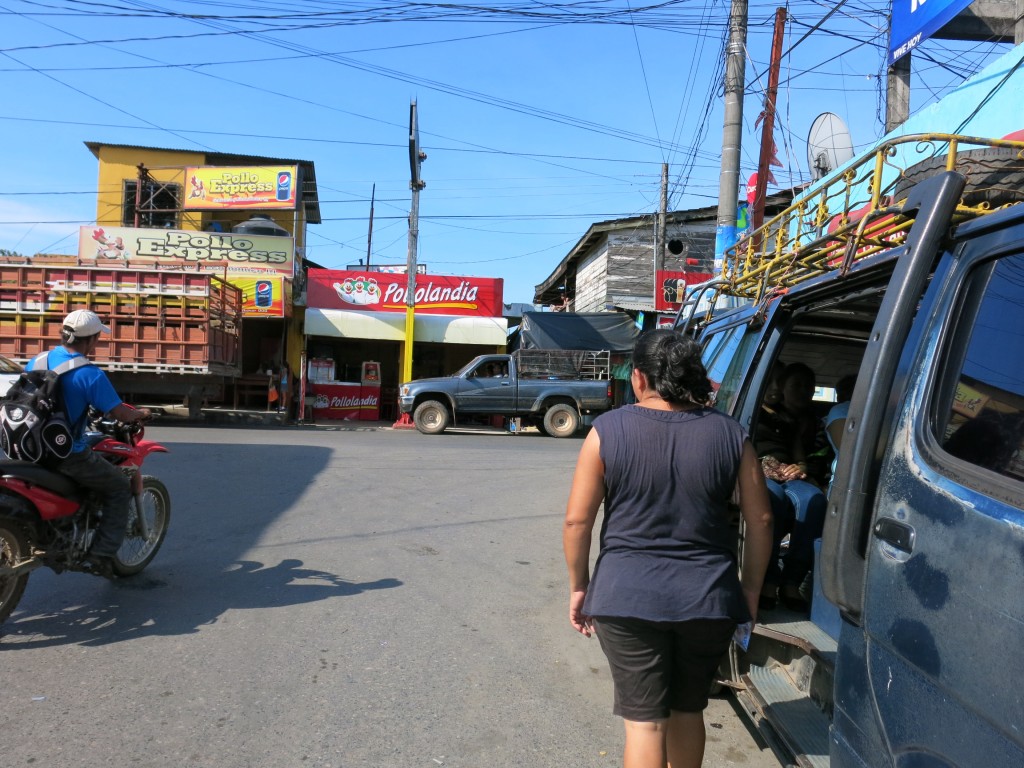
215	192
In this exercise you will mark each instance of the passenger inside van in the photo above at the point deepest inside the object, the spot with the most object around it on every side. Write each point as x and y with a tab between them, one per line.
835	421
785	429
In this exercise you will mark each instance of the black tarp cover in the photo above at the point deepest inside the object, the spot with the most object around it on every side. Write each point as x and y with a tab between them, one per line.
594	331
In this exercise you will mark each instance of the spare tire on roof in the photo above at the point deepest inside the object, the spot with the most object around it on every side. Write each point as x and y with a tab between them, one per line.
995	175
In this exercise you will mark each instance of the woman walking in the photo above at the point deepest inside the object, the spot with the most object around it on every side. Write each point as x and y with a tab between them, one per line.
666	597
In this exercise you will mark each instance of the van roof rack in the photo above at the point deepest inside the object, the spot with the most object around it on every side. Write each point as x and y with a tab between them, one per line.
857	212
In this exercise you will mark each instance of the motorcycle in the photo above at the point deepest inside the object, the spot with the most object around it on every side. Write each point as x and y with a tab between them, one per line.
48	520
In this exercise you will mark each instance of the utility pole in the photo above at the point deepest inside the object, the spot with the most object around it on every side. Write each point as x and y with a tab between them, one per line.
416	158
768	127
897	94
728	187
369	235
659	235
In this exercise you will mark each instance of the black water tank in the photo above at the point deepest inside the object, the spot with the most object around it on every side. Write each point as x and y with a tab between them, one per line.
260	224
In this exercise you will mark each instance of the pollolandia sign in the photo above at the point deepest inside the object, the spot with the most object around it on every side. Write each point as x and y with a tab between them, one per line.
382	292
216	188
205	251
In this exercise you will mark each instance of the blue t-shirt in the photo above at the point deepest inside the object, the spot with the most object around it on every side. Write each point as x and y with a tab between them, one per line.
667	539
837	412
81	388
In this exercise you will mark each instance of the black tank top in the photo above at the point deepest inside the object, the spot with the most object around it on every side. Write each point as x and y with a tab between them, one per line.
667	540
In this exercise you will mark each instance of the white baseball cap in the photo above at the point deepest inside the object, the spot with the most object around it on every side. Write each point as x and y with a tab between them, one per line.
84	322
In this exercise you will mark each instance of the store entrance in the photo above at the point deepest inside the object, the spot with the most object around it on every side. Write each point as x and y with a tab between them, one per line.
340	361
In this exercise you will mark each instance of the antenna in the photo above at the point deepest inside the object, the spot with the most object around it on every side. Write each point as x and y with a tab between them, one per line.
828	145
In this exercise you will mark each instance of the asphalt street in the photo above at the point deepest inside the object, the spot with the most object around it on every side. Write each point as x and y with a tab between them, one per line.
343	598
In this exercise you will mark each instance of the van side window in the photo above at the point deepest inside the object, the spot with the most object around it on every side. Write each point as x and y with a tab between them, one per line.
980	413
727	356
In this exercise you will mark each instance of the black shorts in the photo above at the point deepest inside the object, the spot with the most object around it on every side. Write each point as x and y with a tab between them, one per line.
660	666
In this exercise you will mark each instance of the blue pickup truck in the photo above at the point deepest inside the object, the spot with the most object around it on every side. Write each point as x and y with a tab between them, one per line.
548	389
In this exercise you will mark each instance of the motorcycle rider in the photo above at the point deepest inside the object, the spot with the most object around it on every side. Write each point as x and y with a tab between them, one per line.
81	388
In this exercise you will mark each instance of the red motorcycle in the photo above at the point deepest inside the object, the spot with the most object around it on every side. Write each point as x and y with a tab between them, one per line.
46	519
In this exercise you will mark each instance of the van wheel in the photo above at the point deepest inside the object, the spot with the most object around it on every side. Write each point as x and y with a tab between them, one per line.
431	417
994	176
561	420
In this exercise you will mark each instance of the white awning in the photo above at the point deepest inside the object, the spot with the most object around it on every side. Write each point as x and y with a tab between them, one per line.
390	326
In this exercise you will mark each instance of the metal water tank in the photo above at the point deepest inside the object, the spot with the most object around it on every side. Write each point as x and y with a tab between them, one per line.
260	224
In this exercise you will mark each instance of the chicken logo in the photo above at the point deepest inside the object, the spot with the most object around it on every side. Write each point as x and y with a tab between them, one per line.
359	291
109	248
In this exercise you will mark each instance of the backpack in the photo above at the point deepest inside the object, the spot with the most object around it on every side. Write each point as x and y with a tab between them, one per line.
33	425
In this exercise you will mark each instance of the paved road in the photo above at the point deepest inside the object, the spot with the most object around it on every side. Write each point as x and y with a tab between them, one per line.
344	598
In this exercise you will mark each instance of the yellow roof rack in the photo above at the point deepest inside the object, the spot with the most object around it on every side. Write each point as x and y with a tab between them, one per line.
856	212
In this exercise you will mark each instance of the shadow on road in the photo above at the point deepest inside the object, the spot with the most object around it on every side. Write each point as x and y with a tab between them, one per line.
147	605
224	497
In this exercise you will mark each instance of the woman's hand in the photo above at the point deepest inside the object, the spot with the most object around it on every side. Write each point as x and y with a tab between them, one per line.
793	472
579	620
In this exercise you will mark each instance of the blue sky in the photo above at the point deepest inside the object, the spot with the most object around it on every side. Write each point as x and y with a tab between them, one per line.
538	119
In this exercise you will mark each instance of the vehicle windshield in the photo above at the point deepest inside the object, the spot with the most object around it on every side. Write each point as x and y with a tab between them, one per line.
468	366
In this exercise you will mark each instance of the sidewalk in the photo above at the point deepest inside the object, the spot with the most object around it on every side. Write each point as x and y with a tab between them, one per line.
177	414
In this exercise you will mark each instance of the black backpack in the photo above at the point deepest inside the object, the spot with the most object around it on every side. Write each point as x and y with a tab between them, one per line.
33	425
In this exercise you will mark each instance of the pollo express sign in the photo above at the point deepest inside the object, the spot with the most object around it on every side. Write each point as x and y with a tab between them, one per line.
212	188
171	248
382	292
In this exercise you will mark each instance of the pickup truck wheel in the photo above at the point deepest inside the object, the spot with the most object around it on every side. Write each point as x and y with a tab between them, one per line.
431	417
561	420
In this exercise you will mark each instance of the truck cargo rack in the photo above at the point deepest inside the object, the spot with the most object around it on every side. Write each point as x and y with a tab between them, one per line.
857	212
160	322
562	364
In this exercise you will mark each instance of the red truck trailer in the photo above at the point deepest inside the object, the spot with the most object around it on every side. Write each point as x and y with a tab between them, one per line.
173	334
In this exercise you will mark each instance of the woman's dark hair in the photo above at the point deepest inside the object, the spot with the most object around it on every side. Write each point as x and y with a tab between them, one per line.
672	366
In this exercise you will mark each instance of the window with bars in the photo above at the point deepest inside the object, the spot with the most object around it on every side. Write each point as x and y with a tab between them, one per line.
158	204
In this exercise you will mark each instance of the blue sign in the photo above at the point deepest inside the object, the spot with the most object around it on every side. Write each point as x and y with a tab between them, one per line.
914	21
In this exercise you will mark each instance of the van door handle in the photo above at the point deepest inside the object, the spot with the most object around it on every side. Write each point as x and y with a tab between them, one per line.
899	535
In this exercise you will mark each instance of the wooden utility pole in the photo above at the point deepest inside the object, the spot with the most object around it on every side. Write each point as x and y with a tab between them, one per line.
728	185
659	235
768	126
369	234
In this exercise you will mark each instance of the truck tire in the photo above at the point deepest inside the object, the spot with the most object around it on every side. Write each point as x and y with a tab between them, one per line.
561	420
994	176
431	417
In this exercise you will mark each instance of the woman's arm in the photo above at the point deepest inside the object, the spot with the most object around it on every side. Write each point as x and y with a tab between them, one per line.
757	516
584	500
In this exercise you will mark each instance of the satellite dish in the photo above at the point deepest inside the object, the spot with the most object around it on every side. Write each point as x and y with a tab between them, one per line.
828	145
